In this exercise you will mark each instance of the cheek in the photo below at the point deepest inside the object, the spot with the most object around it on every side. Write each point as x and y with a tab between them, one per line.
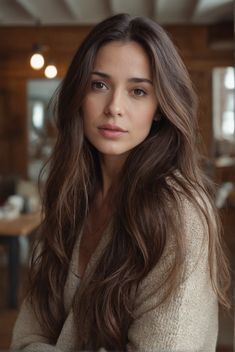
93	103
87	107
87	116
144	118
89	110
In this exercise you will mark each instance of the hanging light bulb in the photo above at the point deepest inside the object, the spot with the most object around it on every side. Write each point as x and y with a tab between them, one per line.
50	71
37	59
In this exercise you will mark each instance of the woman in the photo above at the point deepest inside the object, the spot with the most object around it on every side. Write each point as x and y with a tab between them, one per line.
129	254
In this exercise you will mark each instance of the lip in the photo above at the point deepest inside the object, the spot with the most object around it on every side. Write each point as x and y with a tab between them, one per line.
111	131
111	128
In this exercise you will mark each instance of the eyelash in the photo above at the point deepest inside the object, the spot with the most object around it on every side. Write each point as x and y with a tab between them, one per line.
143	93
96	86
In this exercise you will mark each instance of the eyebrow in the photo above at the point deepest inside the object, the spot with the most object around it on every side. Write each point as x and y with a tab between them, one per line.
132	79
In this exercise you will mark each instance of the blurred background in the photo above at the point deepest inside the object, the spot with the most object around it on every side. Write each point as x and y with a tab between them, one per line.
37	42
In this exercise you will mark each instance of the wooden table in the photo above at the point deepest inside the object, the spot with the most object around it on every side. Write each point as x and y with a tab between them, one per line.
10	232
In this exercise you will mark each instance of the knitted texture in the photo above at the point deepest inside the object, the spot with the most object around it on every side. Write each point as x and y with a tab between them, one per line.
187	322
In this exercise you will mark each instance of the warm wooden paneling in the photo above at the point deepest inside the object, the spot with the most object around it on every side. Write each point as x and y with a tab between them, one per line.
16	45
13	122
202	85
202	48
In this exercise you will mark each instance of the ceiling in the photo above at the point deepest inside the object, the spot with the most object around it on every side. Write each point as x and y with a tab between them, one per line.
85	12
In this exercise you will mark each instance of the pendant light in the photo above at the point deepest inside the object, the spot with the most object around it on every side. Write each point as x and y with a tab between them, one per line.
50	71
37	60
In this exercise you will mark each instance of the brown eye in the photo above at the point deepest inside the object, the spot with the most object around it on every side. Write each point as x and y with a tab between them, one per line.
139	92
98	85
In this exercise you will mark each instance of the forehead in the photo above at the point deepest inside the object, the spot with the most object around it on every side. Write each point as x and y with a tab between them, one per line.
123	57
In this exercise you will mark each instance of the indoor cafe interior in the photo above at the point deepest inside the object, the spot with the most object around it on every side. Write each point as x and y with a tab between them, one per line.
37	42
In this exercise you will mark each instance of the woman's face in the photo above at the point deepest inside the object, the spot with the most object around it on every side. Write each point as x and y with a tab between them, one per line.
119	106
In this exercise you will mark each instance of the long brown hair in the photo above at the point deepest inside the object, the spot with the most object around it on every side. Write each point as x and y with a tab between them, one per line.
156	174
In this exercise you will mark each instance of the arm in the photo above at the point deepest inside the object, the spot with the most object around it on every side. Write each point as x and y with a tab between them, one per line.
187	322
27	333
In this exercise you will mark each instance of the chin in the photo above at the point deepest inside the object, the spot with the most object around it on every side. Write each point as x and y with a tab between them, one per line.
107	150
112	153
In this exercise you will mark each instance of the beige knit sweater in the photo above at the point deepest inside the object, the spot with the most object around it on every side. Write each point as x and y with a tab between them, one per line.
188	322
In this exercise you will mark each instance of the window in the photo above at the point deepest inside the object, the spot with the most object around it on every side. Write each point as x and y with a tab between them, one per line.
223	109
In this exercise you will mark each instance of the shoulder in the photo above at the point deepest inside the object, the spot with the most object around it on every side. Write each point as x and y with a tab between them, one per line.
187	243
196	222
194	208
170	310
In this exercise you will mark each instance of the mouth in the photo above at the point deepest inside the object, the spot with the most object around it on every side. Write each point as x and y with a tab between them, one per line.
111	133
109	127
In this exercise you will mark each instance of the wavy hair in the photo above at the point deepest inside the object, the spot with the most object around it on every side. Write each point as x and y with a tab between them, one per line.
141	221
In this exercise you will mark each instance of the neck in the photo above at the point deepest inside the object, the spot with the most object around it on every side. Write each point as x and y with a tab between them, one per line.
111	167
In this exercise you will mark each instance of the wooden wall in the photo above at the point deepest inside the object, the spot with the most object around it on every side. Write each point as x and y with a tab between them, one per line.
202	48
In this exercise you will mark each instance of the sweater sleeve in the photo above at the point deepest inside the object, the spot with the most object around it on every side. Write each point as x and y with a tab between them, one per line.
188	320
27	333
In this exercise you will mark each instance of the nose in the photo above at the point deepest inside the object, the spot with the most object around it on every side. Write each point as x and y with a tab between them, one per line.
115	105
